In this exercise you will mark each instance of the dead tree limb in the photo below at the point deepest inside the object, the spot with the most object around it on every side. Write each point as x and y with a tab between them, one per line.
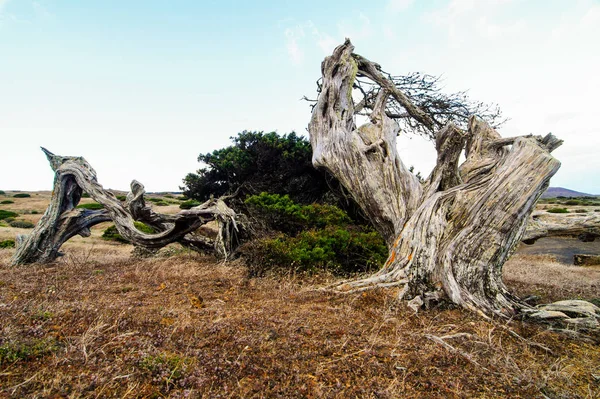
63	220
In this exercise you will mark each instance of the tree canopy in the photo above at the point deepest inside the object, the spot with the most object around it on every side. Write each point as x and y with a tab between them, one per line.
257	162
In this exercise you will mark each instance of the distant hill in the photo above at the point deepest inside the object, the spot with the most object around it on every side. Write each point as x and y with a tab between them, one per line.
554	192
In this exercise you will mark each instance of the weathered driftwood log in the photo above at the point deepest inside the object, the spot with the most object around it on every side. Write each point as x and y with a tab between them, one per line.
450	236
63	220
586	226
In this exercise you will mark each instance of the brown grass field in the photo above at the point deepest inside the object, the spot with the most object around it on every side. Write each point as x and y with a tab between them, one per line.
99	323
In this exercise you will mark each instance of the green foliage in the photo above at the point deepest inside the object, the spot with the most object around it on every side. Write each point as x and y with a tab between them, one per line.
158	201
7	214
580	211
2	192
112	234
7	244
341	250
85	195
121	197
26	351
91	206
7	202
283	214
573	202
22	224
168	196
144	228
557	210
262	162
22	195
311	237
189	204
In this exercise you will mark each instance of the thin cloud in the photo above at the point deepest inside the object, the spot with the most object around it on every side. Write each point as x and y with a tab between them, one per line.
396	6
292	36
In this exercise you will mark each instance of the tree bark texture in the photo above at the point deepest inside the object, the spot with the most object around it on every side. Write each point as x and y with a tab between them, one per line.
449	236
63	220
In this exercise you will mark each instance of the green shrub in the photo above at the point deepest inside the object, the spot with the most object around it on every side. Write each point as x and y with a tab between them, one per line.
121	197
22	195
168	196
573	202
580	210
2	192
312	237
7	244
158	201
189	204
22	224
283	214
112	234
35	212
558	210
7	214
336	249
144	228
9	220
85	195
7	202
91	206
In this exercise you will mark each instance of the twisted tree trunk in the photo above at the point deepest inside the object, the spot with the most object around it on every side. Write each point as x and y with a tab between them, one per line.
450	236
63	220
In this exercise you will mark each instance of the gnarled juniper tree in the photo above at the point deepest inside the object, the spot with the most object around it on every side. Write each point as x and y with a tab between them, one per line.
449	236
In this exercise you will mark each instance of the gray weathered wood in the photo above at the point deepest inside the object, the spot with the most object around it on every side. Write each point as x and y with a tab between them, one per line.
62	220
450	236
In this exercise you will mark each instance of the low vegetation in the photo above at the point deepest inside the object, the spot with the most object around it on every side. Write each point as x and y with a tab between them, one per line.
309	238
6	202
189	204
558	210
26	351
7	244
7	214
22	224
22	195
99	324
112	234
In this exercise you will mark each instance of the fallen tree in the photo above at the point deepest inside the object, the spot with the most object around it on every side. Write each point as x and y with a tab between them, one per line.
585	226
63	220
449	236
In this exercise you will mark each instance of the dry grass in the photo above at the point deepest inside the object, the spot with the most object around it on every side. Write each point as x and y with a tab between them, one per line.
167	327
543	276
98	323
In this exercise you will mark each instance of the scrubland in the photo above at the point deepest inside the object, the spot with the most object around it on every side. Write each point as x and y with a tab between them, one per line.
99	323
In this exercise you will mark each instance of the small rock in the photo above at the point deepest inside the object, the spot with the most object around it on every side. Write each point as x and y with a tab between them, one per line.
415	303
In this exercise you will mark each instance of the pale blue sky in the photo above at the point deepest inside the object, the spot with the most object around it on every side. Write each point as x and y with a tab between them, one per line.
140	88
